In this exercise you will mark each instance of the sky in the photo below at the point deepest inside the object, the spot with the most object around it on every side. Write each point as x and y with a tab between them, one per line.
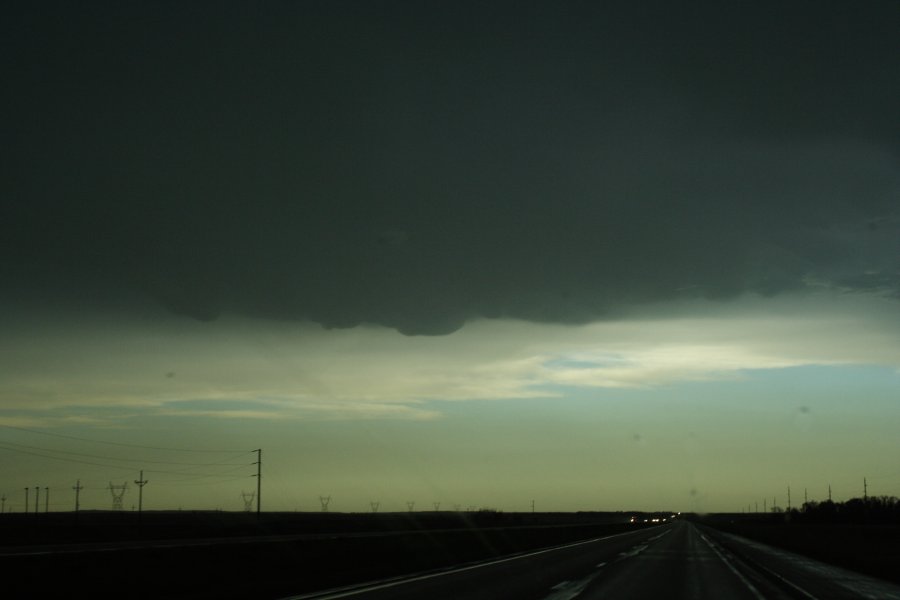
570	255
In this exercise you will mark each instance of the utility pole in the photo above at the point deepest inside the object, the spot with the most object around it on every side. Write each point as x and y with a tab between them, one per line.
532	507
46	499
756	506
26	501
789	498
77	489
2	504
805	499
141	482
866	490
37	499
258	464
764	505
829	492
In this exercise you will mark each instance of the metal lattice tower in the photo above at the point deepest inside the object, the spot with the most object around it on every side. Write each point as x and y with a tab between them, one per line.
437	506
374	506
324	500
118	492
411	504
248	498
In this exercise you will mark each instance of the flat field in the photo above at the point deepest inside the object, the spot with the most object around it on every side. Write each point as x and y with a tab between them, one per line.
237	555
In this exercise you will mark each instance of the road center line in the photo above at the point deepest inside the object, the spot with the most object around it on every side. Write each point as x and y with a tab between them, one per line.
364	588
656	537
634	551
568	590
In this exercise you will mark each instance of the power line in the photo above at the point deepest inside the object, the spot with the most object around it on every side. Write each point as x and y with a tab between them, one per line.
83	462
72	437
123	467
189	476
138	460
204	483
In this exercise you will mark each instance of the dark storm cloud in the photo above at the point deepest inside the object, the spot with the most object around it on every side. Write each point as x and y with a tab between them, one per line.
416	166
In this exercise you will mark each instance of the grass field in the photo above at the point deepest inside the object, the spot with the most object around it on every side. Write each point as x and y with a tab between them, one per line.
278	554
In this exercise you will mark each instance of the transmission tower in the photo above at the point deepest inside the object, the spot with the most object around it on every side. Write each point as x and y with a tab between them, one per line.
118	492
410	504
324	500
374	506
437	506
248	500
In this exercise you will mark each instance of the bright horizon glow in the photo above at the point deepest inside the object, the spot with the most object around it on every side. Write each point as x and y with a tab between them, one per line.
706	407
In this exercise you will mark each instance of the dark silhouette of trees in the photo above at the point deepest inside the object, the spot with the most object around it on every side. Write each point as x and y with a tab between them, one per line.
874	509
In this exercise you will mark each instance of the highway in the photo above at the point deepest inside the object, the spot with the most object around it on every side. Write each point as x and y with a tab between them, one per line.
678	560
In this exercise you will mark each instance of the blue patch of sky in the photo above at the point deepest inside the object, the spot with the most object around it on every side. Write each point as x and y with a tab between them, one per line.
571	363
860	388
222	403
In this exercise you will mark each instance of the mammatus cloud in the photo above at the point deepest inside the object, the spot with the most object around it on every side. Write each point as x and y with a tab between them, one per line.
415	172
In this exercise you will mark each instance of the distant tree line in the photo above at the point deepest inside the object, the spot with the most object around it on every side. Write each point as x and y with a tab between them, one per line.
882	509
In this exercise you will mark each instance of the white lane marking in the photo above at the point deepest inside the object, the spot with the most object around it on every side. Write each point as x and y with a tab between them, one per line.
861	585
633	552
567	590
786	582
728	564
365	588
656	537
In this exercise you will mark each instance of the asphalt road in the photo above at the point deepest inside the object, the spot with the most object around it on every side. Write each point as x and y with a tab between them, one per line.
679	560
